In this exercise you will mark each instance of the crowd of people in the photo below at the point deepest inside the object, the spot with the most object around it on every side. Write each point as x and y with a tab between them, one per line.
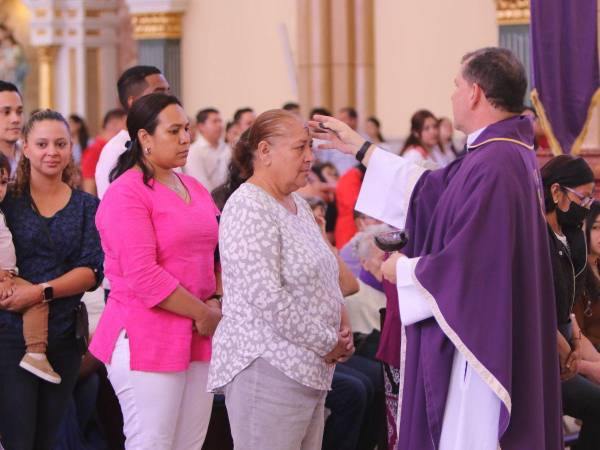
240	271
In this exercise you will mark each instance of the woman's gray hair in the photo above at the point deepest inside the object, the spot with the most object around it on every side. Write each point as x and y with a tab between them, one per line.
363	241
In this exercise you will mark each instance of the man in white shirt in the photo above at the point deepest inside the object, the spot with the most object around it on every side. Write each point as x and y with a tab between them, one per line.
342	161
134	83
209	155
11	122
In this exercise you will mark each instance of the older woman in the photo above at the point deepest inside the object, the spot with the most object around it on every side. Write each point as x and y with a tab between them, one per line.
59	258
283	325
159	233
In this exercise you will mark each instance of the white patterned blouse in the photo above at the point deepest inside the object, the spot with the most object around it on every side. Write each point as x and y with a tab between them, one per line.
282	300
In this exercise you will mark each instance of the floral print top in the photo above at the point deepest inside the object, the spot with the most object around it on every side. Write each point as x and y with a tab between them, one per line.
282	300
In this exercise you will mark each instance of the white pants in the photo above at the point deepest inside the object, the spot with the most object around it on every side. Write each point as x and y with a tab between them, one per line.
161	411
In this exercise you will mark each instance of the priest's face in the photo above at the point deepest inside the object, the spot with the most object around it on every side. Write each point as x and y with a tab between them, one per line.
461	102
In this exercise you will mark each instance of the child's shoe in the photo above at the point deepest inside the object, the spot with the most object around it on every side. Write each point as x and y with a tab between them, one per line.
40	367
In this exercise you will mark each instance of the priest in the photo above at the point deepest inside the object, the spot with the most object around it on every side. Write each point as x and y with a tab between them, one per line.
479	366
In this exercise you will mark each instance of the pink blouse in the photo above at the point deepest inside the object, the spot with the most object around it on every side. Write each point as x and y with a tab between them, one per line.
153	242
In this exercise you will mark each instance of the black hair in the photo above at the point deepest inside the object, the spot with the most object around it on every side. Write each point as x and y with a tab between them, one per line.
240	112
290	106
499	74
83	135
350	111
142	116
566	170
376	122
319	111
116	113
204	113
589	222
417	123
132	83
4	164
10	87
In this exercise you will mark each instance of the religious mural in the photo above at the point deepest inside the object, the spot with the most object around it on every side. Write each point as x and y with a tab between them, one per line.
13	65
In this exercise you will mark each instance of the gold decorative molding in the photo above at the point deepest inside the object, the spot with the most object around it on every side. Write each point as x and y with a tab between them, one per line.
513	12
46	58
157	25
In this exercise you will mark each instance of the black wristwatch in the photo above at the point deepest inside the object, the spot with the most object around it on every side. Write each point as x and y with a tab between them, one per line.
47	293
360	155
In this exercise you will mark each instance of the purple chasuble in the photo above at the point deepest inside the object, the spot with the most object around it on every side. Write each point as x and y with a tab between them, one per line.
479	228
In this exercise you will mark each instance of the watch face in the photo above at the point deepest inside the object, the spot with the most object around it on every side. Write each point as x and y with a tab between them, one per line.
48	293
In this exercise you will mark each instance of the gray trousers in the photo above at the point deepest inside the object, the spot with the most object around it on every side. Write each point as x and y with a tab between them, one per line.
270	411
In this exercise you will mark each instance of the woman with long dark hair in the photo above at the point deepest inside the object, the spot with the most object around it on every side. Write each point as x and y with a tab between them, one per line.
159	232
422	138
587	305
80	136
59	258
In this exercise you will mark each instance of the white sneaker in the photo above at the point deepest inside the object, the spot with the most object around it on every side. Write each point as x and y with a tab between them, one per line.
40	368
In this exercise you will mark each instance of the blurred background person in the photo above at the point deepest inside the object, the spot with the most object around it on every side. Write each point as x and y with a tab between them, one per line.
209	156
80	136
423	138
112	124
292	107
447	148
11	122
373	130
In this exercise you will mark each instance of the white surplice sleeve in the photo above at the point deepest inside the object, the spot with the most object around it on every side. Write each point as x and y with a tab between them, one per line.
412	304
387	187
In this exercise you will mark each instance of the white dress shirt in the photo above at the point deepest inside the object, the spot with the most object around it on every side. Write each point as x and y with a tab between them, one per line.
108	160
207	164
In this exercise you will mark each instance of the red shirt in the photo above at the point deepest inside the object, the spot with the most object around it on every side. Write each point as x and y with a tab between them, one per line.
346	194
90	158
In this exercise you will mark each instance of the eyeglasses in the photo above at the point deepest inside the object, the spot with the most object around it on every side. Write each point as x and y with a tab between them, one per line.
586	200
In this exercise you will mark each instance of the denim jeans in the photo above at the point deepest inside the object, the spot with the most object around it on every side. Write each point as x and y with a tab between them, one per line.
31	409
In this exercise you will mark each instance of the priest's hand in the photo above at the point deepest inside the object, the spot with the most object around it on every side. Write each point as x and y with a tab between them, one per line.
336	134
388	267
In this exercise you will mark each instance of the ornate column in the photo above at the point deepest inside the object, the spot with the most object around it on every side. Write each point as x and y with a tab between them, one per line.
77	56
46	60
336	54
364	36
157	28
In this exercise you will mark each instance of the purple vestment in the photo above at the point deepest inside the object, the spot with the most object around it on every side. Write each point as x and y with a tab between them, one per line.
479	228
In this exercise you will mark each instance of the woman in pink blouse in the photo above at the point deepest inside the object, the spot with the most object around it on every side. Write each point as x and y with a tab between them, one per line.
159	235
